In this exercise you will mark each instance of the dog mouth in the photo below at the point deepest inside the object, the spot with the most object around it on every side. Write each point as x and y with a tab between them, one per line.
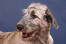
27	35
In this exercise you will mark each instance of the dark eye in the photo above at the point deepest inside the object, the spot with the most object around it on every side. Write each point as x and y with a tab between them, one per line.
48	18
33	15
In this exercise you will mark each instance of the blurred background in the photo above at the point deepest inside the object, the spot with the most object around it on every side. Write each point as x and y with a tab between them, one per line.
10	14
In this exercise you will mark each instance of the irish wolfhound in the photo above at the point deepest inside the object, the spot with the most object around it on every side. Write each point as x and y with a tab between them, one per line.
33	28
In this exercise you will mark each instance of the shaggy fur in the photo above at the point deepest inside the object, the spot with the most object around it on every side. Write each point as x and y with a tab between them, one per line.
35	27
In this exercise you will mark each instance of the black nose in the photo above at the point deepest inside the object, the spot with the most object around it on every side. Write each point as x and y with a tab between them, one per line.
20	27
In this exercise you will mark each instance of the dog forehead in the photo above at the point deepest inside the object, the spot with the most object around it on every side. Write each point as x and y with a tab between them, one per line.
38	8
40	13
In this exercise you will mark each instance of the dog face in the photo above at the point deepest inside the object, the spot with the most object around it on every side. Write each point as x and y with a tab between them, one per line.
37	18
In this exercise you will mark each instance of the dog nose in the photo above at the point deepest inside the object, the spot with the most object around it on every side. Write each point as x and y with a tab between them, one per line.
20	27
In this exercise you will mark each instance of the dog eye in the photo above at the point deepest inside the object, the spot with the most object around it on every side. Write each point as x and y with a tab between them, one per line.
33	15
48	18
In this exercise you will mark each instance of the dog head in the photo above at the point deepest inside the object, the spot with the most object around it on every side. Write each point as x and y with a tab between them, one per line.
37	18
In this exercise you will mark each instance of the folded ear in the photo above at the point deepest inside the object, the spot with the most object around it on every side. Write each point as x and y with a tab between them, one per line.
25	11
53	19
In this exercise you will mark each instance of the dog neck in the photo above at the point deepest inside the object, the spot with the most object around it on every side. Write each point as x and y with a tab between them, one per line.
44	36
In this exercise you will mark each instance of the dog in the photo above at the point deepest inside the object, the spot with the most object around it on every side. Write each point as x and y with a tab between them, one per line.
33	28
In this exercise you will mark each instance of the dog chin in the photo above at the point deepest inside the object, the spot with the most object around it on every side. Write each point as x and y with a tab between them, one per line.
28	39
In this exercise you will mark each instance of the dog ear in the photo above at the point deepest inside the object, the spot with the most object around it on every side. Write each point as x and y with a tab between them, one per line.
24	11
33	14
51	18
